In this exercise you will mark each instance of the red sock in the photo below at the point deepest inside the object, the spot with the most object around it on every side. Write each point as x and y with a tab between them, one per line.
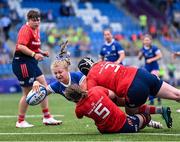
147	109
21	118
46	113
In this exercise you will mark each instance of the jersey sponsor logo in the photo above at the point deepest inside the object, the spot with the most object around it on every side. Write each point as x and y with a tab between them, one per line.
36	43
113	47
21	82
31	80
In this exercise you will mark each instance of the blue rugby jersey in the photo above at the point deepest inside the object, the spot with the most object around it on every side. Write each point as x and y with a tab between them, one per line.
59	87
150	53
110	51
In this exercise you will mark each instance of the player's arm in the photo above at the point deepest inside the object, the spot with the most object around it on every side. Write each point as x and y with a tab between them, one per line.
101	58
140	55
121	53
101	55
36	86
25	50
121	57
175	54
83	84
78	114
157	57
117	100
44	53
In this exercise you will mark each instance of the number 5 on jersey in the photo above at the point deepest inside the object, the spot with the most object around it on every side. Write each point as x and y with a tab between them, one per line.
102	111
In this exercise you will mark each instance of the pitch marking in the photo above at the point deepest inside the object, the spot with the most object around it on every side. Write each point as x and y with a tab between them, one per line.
76	133
29	116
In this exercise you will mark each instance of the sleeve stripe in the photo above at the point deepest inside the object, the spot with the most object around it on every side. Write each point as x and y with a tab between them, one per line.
81	80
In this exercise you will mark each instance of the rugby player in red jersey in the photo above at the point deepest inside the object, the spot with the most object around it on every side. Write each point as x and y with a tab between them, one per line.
130	83
108	117
25	67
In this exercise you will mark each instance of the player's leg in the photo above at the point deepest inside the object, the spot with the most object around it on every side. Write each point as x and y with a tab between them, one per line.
144	120
24	76
143	84
135	122
156	73
169	92
161	89
47	119
149	110
23	106
164	111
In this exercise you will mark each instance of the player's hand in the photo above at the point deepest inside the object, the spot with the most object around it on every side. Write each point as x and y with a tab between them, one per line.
45	53
174	55
148	61
35	86
38	56
117	62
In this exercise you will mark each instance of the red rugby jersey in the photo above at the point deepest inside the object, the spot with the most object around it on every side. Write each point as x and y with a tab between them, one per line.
97	105
29	37
117	78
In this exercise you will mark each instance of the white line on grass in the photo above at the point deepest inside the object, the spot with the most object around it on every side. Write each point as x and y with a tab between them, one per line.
30	116
76	133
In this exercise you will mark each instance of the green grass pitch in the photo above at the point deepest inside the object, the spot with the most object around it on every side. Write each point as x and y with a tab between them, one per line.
73	129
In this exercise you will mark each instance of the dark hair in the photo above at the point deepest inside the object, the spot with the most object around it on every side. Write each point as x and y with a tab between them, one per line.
74	93
85	65
33	14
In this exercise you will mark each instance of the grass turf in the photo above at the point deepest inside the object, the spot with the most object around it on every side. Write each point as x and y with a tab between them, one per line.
73	129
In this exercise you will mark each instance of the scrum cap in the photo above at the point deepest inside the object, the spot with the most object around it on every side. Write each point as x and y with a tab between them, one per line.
85	65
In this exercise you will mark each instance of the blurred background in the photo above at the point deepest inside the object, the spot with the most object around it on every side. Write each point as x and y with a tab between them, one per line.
82	23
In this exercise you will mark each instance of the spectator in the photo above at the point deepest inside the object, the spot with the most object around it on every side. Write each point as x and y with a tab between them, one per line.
50	16
143	22
67	9
4	53
6	25
171	72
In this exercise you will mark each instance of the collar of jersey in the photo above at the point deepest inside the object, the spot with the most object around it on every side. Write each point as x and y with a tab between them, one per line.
108	44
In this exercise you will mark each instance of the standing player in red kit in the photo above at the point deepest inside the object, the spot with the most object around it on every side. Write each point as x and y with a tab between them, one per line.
108	117
130	83
25	67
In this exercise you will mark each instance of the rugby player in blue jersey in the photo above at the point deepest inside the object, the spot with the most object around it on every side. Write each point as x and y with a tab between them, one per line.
64	78
151	54
111	50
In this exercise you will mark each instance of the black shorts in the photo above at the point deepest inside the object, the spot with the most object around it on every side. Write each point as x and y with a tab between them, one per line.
26	70
143	85
131	125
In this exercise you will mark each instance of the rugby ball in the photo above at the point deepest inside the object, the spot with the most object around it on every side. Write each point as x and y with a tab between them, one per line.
35	98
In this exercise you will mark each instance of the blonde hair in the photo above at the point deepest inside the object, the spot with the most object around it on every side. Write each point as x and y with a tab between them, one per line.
60	63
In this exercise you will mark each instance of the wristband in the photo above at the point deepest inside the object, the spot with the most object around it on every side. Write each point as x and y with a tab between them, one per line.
33	54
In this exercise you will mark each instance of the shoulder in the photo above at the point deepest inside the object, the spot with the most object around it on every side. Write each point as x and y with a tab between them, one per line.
76	74
24	29
154	47
55	84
